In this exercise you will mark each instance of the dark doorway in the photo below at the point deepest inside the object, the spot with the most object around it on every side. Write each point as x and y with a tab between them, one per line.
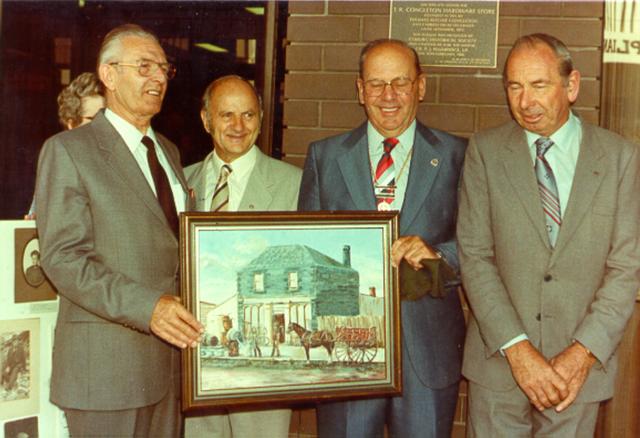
44	44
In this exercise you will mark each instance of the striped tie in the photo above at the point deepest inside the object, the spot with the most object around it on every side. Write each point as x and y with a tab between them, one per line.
548	190
220	200
385	176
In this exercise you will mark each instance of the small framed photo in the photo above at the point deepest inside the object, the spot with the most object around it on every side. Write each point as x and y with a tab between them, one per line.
297	307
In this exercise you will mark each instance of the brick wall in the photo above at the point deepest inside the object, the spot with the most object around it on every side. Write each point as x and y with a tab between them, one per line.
324	39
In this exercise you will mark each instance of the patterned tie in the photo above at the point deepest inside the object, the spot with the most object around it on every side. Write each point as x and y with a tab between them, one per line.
548	190
220	200
163	189
384	182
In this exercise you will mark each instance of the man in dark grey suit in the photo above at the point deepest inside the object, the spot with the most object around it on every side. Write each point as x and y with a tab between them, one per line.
107	195
393	162
548	235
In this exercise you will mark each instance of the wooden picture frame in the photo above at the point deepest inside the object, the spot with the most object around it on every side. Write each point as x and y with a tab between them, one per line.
297	307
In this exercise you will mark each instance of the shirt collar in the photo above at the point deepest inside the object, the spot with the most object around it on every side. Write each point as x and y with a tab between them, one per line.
129	133
562	137
241	166
405	140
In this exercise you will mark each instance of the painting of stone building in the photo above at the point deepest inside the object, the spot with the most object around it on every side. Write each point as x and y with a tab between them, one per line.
296	283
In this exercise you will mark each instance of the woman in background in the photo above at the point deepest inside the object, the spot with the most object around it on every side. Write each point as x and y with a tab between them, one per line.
78	103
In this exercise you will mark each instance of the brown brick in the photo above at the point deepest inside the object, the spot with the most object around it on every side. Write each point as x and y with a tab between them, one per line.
358	7
296	160
530	9
296	141
432	89
589	95
508	30
314	29
455	89
303	57
491	116
342	115
590	115
448	117
301	113
320	86
573	32
588	62
583	9
375	27
306	7
342	57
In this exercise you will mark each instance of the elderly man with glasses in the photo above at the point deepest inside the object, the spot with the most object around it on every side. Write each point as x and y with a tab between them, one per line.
393	162
108	196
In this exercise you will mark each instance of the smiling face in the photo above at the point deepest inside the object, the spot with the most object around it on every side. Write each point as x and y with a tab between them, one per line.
133	97
391	113
539	97
233	118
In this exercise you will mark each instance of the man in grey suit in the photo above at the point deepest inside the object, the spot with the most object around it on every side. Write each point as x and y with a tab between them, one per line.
548	241
108	194
394	162
232	115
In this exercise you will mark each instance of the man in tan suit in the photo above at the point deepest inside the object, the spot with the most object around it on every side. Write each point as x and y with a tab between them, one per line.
548	243
232	115
107	195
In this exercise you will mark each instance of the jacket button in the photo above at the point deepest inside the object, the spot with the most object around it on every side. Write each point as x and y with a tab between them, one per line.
538	317
548	277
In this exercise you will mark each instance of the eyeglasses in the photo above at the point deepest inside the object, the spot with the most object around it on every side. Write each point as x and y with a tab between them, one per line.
375	87
148	68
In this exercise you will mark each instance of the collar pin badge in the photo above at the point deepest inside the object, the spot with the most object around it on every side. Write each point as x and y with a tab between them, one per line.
435	162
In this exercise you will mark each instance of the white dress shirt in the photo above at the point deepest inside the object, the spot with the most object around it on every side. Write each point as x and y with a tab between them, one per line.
401	155
133	139
241	169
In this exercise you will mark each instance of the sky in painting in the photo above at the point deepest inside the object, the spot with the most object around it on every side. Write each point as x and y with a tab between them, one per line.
221	253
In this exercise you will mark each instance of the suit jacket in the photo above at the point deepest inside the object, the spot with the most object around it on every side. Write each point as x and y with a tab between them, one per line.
109	251
273	185
337	176
583	289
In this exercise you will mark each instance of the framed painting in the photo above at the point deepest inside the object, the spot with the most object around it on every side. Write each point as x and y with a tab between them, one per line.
297	307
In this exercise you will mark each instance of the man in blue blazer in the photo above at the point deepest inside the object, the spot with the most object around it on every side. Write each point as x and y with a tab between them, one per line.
393	162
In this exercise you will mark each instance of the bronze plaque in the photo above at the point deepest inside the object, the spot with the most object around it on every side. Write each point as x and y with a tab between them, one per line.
448	34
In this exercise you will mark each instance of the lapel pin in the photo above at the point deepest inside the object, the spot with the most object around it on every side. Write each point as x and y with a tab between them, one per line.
435	162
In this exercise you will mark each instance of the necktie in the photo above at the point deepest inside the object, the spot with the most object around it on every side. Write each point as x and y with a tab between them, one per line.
384	182
548	190
163	189
220	200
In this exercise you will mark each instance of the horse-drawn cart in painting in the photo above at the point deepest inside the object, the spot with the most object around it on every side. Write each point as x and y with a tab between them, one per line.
355	345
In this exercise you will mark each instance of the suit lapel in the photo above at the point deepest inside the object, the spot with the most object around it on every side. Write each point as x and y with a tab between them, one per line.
355	166
257	195
119	158
425	165
589	173
518	167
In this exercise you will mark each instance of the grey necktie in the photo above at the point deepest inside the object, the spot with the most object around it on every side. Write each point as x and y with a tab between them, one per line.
220	200
548	190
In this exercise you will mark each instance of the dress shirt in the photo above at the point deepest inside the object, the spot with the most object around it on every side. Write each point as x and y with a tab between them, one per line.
562	157
133	139
401	155
238	179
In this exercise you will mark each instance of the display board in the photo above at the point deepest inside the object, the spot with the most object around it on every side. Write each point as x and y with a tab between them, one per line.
27	321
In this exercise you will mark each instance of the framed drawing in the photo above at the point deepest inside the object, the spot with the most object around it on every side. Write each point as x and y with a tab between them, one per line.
30	282
297	307
19	374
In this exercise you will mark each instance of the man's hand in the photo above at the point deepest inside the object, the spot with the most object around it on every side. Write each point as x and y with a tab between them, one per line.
535	376
413	249
173	323
573	364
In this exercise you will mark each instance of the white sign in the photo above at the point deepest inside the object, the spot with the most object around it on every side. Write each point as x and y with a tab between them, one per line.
622	32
